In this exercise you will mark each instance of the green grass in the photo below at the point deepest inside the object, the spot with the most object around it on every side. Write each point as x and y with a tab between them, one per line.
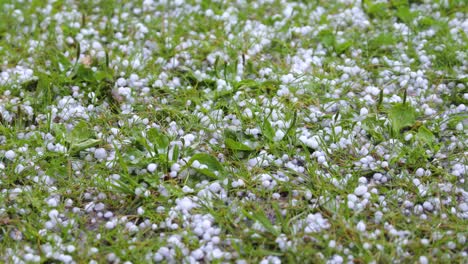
250	217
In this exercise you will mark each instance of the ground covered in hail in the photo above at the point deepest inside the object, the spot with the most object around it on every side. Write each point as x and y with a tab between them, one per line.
201	131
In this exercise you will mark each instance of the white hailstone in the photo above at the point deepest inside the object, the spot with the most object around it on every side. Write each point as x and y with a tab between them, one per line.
363	111
185	204
158	257
100	154
361	226
423	260
66	258
108	214
197	254
429	111
279	135
111	257
418	209
175	167
215	187
70	248
378	216
89	207
459	127
337	129
53	202
451	245
419	172
240	182
216	240
206	224
68	202
248	113
187	189
408	136
151	167
139	191
367	246
377	176
53	215
217	253
363	160
321	159
362	180
360	190
463	207
10	154
19	168
196	164
337	259
29	257
49	225
425	241
140	211
315	223
428	206
312	142
110	225
99	207
461	238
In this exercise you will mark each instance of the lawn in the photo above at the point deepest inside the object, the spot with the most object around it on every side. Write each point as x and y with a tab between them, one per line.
211	131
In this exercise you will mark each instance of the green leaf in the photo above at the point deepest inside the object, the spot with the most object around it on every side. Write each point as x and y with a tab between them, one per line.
261	217
267	130
85	74
208	160
235	145
246	83
136	155
373	127
126	184
404	14
380	10
327	38
426	22
101	75
121	161
293	124
401	115
175	153
425	135
342	47
81	138
159	140
381	40
59	132
80	132
82	145
399	3
211	162
64	60
455	119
